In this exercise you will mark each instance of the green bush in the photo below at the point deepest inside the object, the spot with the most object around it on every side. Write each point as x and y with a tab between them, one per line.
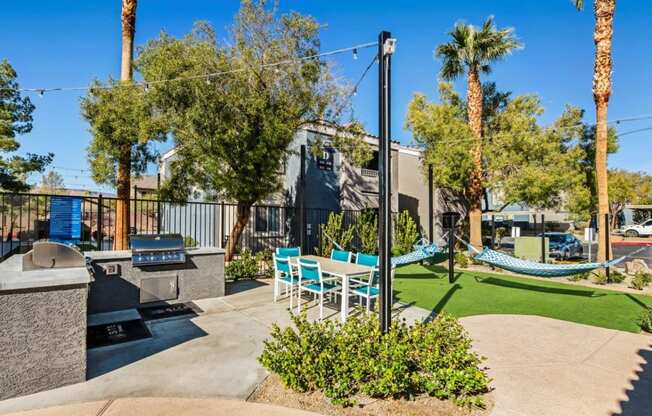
616	276
641	280
405	234
244	267
579	276
366	227
501	232
188	241
646	320
334	228
600	278
343	360
461	260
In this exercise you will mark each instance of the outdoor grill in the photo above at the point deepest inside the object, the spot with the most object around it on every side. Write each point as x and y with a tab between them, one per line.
157	249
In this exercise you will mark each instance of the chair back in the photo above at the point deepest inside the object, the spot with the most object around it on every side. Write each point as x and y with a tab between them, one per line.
364	259
288	251
341	255
309	270
282	265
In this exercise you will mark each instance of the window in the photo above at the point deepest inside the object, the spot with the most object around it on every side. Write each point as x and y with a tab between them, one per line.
373	163
268	219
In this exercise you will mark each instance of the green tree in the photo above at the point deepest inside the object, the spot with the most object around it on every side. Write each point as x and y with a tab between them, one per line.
627	188
405	233
471	51
233	130
15	120
332	232
52	182
120	116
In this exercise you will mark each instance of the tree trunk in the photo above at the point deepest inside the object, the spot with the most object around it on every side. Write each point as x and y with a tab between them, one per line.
244	212
604	13
474	108
122	215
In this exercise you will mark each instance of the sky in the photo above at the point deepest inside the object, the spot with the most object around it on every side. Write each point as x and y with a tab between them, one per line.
69	43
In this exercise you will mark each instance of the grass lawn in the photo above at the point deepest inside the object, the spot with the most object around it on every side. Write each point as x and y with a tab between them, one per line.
476	293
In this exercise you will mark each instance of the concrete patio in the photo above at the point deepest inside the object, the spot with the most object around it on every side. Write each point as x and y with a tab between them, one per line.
539	366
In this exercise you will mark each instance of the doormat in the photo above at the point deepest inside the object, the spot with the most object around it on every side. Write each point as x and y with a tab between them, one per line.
116	333
151	313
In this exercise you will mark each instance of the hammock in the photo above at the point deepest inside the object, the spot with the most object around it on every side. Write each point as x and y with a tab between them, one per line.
532	268
423	250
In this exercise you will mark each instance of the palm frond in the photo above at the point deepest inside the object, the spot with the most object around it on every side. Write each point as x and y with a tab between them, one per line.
579	4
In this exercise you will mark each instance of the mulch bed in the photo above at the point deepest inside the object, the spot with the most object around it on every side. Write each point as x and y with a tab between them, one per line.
273	391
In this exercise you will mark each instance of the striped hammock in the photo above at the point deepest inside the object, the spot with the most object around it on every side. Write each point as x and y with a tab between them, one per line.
422	251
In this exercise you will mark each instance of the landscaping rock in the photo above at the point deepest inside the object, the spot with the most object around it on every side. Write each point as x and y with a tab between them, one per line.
636	266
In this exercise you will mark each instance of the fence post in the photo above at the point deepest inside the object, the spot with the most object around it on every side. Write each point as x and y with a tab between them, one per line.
158	203
493	231
607	248
222	225
100	220
543	238
430	204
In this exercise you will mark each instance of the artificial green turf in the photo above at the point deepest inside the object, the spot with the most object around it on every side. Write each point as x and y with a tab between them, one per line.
475	293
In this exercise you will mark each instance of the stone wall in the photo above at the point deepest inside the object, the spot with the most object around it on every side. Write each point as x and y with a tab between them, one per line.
42	339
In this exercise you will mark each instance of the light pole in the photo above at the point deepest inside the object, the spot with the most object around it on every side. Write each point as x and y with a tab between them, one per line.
386	47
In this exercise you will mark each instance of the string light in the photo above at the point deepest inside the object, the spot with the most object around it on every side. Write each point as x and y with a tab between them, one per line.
355	48
355	53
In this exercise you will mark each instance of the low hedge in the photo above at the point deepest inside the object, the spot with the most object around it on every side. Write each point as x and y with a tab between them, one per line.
344	360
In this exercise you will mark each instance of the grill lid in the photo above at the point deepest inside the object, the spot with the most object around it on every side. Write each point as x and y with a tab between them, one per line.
156	242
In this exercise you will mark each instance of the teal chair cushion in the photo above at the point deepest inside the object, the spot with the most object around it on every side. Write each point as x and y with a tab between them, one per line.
366	291
288	251
316	287
341	255
366	259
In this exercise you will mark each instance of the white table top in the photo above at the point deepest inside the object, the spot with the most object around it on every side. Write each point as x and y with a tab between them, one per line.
338	268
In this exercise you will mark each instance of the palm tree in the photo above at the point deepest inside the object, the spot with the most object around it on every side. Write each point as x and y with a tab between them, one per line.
602	35
124	164
471	51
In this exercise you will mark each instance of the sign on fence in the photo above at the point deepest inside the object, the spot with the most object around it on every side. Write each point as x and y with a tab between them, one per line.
65	218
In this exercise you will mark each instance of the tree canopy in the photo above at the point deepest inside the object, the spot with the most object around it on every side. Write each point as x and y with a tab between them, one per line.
233	129
15	120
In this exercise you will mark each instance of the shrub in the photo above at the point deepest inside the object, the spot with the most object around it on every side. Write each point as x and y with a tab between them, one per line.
600	278
616	277
501	232
366	227
245	267
343	360
579	276
640	280
405	234
646	320
265	259
461	260
334	228
188	241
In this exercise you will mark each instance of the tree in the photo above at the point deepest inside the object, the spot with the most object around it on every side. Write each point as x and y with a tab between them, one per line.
472	51
627	188
405	233
366	228
523	163
15	119
52	182
120	117
602	36
233	130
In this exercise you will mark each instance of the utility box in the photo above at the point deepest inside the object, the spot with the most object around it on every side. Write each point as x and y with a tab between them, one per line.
529	248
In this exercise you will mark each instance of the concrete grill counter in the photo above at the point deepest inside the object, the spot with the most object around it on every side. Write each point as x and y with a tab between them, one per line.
118	284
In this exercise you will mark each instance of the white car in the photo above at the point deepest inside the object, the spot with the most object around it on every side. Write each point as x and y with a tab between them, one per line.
638	230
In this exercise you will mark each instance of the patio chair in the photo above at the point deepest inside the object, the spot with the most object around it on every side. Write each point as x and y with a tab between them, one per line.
368	290
365	259
288	251
312	280
283	274
341	255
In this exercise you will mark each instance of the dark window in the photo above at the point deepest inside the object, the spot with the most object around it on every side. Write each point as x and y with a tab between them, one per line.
373	163
268	219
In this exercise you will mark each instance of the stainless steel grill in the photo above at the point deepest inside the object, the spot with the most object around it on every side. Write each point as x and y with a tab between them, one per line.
52	255
157	249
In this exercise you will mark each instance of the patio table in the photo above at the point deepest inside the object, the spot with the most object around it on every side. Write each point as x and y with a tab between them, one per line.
339	269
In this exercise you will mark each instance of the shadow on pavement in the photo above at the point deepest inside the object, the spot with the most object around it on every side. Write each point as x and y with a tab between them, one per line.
639	398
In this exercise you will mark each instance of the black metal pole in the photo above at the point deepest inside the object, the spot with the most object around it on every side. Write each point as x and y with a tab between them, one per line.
543	238
451	251
100	221
302	208
607	247
493	231
384	183
158	203
430	203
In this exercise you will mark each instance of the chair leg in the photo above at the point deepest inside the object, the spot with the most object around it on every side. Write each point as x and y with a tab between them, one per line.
368	305
299	300
291	290
321	306
275	289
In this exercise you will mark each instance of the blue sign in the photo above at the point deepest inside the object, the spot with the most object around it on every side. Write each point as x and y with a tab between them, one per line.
65	218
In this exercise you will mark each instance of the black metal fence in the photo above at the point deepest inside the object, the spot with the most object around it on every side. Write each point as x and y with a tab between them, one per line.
25	218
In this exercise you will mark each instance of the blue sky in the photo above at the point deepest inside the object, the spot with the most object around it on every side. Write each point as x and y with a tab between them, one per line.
69	43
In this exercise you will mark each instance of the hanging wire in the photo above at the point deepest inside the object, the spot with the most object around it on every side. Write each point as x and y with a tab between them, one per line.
208	76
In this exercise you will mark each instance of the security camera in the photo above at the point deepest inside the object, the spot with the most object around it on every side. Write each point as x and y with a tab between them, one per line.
390	46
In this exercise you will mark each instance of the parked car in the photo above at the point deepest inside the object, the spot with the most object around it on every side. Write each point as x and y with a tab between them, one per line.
638	230
564	245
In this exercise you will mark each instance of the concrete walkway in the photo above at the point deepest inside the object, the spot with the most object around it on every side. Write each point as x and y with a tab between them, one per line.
539	366
166	407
